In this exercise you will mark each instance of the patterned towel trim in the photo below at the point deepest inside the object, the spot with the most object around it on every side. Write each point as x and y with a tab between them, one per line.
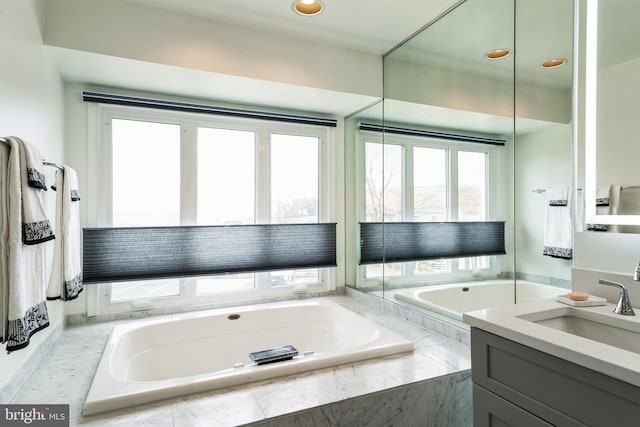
73	287
565	253
602	201
37	232
597	227
19	331
36	179
75	195
557	203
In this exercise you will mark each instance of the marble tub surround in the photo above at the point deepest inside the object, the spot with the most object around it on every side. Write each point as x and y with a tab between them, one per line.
82	319
66	373
430	321
444	401
170	356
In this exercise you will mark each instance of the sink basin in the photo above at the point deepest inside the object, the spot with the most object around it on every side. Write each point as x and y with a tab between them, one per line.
603	328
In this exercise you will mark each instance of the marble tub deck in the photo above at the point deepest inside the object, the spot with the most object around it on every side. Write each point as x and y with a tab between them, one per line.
65	374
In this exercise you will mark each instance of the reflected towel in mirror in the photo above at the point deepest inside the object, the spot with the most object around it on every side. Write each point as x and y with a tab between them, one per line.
558	227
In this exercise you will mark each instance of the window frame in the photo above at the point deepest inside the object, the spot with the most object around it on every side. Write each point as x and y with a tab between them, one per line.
408	143
100	177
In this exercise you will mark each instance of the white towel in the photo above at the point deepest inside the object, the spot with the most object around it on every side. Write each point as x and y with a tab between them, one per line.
614	205
558	227
26	307
4	238
36	227
65	281
607	203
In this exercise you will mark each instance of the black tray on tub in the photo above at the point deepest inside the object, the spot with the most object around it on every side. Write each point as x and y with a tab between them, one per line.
273	355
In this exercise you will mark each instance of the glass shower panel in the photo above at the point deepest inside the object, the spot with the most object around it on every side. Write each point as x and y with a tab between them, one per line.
543	137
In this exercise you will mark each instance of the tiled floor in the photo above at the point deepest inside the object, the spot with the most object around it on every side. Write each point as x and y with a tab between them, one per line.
67	371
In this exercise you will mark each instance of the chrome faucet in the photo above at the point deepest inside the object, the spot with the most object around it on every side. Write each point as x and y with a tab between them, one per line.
624	305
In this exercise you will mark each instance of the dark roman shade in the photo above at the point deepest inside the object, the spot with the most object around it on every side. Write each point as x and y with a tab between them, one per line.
424	133
416	241
135	253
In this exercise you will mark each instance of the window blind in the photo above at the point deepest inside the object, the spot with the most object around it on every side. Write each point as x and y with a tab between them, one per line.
415	241
373	127
188	107
137	253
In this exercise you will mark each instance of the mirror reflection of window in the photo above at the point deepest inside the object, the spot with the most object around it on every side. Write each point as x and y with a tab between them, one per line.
383	180
430	184
472	191
426	180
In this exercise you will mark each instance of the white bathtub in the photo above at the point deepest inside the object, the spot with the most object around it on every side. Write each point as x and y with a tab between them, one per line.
153	359
454	299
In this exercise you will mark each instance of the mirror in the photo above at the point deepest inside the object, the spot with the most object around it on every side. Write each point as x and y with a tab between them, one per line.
465	138
612	105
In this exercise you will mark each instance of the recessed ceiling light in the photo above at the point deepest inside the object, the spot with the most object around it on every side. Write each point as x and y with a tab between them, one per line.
497	54
307	7
554	63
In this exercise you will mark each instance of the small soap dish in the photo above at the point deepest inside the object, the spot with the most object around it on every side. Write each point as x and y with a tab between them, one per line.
593	300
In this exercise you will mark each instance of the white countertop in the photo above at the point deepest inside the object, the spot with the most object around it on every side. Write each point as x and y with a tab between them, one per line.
508	323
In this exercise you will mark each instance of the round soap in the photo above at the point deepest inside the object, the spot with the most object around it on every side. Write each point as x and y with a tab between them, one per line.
578	296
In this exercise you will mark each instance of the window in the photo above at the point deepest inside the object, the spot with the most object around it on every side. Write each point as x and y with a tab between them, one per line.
136	201
427	180
184	169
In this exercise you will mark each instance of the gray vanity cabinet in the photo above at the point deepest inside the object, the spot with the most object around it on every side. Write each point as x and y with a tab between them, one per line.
516	385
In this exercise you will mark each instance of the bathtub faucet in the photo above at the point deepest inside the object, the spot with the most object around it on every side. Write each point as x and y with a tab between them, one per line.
624	305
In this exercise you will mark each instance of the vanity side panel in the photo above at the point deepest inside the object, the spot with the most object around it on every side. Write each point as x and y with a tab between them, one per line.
556	390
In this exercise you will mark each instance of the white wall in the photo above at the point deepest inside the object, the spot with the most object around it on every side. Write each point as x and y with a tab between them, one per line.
543	160
468	91
31	107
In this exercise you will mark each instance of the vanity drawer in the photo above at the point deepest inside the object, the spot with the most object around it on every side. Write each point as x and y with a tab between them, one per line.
556	390
493	411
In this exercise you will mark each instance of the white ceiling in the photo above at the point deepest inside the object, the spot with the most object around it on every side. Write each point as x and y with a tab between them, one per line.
374	26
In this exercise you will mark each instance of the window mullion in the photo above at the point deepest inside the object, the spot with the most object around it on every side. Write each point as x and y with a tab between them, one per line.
188	173
408	192
263	192
452	168
263	177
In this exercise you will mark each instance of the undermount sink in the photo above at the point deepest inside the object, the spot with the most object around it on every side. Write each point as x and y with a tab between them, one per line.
613	330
